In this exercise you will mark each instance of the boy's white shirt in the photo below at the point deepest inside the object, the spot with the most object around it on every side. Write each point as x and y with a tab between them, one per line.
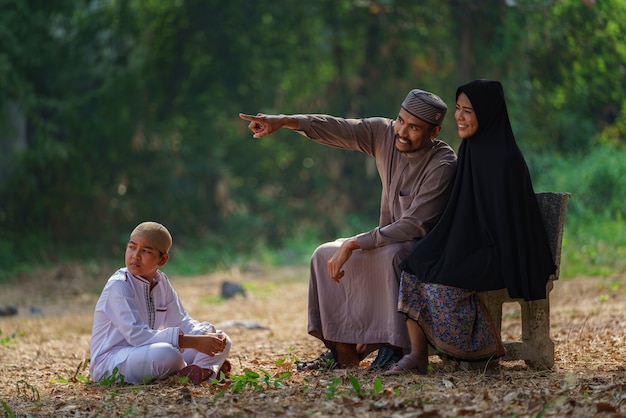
128	314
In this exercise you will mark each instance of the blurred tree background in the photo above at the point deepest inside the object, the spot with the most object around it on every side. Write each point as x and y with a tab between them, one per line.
118	111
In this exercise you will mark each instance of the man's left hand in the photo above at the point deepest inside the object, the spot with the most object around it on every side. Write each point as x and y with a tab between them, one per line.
336	262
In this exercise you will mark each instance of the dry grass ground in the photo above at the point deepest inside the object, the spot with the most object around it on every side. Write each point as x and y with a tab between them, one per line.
41	358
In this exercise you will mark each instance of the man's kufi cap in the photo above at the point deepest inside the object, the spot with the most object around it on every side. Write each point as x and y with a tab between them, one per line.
426	106
156	233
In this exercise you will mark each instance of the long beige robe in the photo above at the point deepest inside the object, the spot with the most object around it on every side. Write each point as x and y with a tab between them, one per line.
362	308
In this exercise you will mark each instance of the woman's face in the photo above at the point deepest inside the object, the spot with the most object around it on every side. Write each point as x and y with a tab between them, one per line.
466	120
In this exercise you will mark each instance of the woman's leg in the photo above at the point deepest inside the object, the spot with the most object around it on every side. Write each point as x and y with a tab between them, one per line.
419	345
417	360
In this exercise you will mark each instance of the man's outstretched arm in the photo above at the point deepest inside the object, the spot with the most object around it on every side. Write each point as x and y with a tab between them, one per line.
263	125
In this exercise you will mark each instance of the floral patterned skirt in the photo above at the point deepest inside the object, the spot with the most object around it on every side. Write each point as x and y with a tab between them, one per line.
454	320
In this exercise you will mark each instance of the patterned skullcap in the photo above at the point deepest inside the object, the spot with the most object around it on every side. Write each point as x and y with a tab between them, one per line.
156	233
426	106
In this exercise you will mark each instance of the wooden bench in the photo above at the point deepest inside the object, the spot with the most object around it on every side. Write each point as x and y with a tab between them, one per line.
536	347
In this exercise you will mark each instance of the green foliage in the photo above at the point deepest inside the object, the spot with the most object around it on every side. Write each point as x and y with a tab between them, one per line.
10	339
129	113
77	377
8	412
333	388
115	379
594	241
289	357
27	391
356	387
327	364
378	386
251	380
7	257
577	71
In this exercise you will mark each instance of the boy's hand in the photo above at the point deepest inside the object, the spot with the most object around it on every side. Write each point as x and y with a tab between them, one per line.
210	343
214	343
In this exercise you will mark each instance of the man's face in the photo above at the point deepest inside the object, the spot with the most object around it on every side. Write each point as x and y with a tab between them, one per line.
412	133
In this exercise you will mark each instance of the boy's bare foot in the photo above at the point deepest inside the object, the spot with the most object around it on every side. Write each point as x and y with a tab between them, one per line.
226	368
193	372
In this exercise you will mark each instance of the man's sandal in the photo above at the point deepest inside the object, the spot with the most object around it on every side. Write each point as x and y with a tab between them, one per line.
408	364
386	357
326	361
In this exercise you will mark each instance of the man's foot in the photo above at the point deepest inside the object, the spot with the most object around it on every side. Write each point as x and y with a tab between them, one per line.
408	364
347	356
365	350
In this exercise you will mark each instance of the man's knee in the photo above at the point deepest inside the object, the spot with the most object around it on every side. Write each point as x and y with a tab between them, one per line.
324	251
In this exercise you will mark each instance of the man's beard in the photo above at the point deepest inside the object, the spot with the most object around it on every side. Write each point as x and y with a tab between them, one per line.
396	138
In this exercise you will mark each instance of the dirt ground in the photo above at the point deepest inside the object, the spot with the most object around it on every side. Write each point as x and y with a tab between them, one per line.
44	349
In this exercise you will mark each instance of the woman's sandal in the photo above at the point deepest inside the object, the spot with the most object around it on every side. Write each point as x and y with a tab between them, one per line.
408	364
326	361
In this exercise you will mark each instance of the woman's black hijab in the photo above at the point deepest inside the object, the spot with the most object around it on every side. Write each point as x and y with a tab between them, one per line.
491	234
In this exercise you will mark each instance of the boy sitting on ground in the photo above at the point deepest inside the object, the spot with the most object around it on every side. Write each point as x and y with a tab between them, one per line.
140	326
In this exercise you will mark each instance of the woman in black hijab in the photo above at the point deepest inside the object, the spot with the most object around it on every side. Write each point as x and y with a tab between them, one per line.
490	236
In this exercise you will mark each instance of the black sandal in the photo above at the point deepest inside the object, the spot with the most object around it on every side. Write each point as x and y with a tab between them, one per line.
326	361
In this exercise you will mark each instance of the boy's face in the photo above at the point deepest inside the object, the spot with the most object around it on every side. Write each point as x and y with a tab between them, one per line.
142	258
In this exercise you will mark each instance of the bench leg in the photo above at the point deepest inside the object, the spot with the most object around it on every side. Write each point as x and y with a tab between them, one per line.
536	347
536	334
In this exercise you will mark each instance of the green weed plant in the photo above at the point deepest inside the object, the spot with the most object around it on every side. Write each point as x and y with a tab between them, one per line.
10	339
355	388
251	380
8	412
27	391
